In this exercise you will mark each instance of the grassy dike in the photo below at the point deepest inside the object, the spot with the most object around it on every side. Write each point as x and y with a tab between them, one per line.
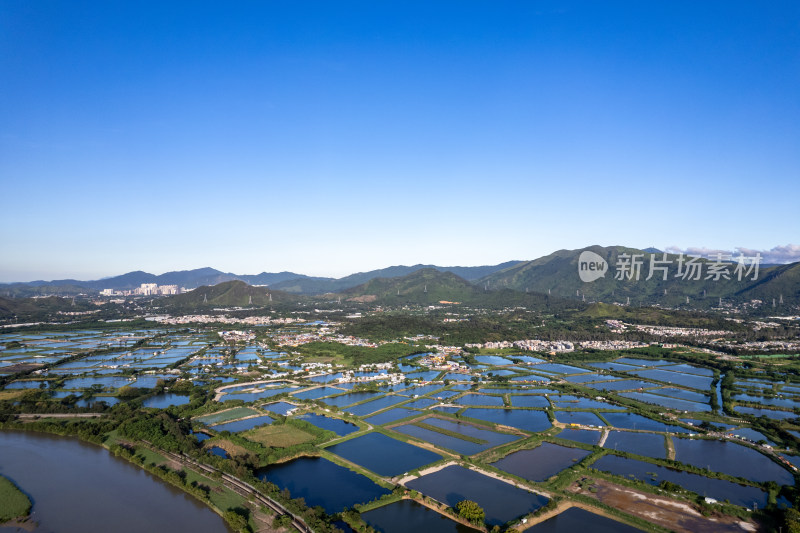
14	504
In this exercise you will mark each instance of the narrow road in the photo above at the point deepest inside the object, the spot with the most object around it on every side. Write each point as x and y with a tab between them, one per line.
603	438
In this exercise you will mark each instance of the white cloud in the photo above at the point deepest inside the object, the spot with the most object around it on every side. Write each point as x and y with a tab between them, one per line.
776	255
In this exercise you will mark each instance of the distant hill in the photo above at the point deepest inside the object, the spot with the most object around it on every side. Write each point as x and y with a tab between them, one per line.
39	308
325	285
24	290
557	274
227	294
189	279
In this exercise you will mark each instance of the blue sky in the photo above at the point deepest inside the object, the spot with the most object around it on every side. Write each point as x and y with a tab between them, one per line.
332	137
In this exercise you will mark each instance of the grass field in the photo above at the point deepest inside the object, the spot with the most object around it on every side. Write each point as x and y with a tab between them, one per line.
13	502
278	436
11	394
227	415
771	356
221	497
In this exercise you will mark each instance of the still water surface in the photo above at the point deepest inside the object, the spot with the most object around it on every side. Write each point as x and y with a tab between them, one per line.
321	482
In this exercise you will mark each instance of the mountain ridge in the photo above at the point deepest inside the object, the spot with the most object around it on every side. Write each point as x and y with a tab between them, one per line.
558	274
555	274
191	279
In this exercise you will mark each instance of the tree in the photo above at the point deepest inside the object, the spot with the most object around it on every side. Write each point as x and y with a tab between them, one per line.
471	511
236	519
282	521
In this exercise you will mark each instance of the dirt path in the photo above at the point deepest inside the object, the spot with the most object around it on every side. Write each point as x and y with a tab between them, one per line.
59	415
603	438
670	448
439	508
219	391
431	470
515	483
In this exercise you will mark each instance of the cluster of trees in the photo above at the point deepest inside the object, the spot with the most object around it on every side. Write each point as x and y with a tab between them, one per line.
159	429
471	511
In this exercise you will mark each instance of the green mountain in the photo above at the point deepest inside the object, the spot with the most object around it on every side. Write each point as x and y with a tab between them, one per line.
781	281
558	274
228	294
431	287
426	286
324	285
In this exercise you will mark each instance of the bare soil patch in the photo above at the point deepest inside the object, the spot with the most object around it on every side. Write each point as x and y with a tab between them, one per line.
672	514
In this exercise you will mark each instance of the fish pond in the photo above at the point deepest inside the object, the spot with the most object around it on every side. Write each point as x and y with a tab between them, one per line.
529	400
719	489
164	400
408	515
585	436
501	501
479	399
340	427
648	444
243	425
769	413
523	419
577	519
731	458
462	438
686	380
279	408
392	415
383	455
634	421
542	462
578	417
321	482
375	405
315	394
665	401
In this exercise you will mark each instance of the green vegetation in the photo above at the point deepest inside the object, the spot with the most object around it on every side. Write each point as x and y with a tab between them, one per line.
471	511
278	436
227	415
13	502
160	430
558	272
358	355
228	294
